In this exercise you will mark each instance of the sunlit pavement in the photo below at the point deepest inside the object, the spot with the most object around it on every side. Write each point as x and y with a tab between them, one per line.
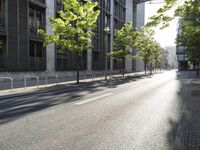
138	114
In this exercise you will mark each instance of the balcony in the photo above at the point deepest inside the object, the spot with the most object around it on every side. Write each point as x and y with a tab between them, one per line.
39	1
140	1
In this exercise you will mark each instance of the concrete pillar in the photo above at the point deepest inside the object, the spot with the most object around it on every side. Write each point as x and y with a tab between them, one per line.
89	60
140	22
50	49
111	32
129	18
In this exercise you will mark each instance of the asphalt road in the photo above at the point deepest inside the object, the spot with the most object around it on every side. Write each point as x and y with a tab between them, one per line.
133	114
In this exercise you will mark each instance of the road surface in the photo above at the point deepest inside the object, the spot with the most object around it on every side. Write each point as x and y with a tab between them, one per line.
132	114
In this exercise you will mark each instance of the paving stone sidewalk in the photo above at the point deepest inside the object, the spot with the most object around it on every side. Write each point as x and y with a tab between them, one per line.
188	134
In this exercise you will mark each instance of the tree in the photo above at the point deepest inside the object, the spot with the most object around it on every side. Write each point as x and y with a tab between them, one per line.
73	29
189	36
163	59
161	19
155	57
147	49
123	42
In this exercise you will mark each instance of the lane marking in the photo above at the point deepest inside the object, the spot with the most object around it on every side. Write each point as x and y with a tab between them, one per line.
137	85
93	99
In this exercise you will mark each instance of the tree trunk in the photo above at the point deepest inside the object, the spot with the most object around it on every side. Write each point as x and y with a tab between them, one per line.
151	69
198	67
77	69
123	70
145	68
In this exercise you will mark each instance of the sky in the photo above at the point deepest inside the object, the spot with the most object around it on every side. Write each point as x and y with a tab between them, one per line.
165	37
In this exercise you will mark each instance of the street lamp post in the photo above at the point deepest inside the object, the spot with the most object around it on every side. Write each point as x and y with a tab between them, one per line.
106	30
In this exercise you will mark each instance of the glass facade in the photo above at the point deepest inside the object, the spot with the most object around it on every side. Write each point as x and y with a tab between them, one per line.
119	20
36	20
98	41
23	48
65	59
37	55
2	13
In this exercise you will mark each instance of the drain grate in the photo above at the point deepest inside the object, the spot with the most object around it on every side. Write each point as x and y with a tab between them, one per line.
195	93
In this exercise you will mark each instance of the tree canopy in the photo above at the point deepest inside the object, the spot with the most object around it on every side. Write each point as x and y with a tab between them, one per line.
123	42
72	30
147	49
189	31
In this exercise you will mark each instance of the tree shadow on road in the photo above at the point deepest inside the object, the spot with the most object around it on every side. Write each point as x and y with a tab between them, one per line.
18	105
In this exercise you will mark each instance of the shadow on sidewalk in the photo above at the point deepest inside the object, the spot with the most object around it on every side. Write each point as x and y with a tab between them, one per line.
178	134
19	105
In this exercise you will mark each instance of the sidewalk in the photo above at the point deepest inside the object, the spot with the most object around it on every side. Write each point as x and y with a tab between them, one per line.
188	134
5	87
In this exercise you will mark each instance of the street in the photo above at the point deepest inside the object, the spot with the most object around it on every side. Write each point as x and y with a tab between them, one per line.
130	114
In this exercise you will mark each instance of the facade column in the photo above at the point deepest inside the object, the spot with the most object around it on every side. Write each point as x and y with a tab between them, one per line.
89	60
140	22
129	19
50	49
111	31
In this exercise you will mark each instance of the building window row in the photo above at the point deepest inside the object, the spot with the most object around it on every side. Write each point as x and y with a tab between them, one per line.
119	20
37	55
2	13
36	20
40	1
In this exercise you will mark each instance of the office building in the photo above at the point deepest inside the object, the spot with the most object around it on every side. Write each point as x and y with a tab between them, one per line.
21	49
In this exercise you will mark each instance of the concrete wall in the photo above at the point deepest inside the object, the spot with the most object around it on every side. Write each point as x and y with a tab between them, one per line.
129	18
112	32
50	49
140	22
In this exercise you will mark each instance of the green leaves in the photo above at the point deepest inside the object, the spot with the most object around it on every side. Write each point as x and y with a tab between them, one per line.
124	39
73	29
148	50
189	36
161	19
127	37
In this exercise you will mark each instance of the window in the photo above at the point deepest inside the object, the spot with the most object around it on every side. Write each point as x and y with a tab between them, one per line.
2	12
107	20
96	56
2	46
36	20
107	5
36	49
134	14
59	7
116	9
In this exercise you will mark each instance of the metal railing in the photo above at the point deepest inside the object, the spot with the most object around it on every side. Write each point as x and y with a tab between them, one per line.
91	74
36	77
48	76
11	81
